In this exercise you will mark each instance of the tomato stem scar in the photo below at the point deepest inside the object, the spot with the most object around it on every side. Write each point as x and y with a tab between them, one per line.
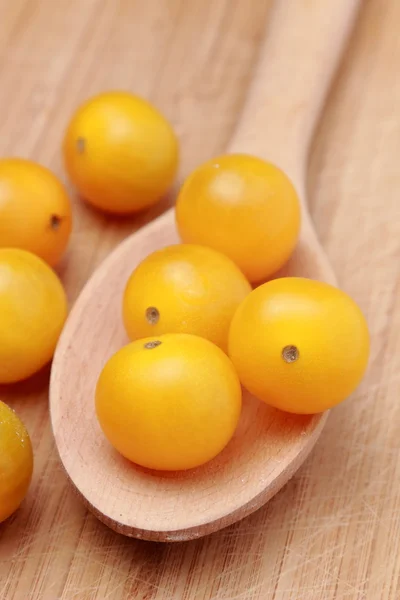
55	222
152	315
290	354
81	145
153	344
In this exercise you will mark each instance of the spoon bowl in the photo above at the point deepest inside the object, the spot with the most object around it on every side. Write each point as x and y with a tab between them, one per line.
269	445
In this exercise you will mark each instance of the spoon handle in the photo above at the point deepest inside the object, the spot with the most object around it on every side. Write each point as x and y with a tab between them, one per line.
302	46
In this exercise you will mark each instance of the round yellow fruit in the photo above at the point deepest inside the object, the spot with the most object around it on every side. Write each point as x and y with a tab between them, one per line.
35	211
243	207
299	345
184	289
33	309
170	402
16	462
120	152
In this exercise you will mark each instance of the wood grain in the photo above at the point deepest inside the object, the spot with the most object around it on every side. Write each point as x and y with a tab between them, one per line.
334	531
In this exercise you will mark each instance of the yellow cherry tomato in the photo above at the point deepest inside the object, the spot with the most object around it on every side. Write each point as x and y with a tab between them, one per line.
184	289
33	309
244	207
120	152
16	462
35	211
299	345
170	402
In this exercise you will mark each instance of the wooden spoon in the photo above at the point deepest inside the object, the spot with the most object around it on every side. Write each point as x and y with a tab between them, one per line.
302	46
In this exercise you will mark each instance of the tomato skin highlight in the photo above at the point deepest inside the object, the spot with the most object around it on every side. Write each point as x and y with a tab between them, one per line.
299	345
169	403
243	207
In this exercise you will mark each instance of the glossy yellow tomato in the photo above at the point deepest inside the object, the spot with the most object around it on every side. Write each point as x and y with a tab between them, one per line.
244	207
184	289
120	152
170	402
299	345
16	462
35	211
33	309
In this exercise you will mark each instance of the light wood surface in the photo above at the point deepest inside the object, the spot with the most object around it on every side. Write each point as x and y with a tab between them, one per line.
269	446
333	531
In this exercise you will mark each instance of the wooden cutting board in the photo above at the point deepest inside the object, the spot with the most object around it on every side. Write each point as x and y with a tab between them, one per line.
334	531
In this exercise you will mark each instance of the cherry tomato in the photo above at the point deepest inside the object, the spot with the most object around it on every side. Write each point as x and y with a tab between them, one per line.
170	402
299	345
33	308
35	211
244	207
120	152
184	289
16	461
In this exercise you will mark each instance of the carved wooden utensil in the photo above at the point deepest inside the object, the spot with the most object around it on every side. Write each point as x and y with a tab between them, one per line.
302	46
